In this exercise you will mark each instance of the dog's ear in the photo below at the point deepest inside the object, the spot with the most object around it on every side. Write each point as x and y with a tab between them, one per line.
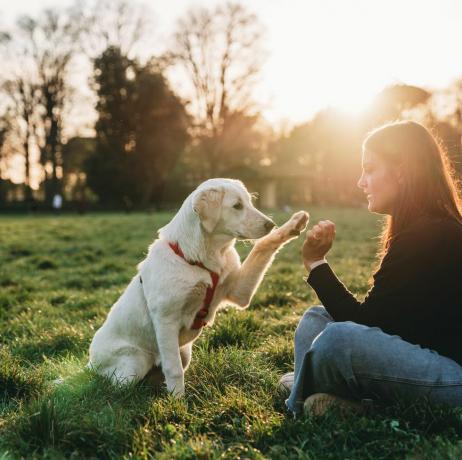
207	205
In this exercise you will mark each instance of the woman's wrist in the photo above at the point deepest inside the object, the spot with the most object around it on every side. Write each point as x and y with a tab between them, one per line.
311	264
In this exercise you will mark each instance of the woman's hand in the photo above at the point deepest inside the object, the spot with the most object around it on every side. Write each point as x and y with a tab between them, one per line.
318	242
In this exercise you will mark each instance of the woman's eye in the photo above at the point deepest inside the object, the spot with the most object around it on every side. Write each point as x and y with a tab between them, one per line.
238	206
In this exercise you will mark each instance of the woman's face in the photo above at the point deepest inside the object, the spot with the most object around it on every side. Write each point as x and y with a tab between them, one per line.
379	182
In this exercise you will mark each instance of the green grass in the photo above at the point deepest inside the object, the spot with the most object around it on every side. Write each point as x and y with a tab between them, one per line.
58	278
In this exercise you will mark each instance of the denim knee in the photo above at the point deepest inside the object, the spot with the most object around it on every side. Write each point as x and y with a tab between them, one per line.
331	357
312	312
308	316
316	309
338	342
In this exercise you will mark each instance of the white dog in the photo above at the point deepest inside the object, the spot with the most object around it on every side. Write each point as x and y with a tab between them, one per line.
189	272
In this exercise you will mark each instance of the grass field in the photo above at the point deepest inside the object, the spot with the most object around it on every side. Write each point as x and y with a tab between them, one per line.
58	278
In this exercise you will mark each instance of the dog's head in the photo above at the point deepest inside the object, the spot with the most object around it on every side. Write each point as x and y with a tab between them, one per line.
224	206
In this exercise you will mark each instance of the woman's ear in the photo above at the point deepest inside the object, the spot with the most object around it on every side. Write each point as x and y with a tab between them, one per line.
207	205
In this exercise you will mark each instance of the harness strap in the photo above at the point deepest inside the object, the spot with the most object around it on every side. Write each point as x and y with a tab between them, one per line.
204	310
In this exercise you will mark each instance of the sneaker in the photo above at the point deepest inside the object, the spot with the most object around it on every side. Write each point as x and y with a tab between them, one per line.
319	403
286	382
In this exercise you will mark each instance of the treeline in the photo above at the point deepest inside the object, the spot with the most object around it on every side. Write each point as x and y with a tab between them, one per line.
162	123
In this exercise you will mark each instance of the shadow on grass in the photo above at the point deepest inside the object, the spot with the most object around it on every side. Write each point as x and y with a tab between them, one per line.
15	381
54	346
243	330
85	416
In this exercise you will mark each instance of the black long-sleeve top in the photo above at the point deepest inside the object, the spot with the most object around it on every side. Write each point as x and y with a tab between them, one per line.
417	290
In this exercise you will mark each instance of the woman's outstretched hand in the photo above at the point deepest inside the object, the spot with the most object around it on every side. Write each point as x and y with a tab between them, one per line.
318	242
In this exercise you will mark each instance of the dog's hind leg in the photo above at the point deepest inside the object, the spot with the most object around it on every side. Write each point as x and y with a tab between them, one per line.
127	367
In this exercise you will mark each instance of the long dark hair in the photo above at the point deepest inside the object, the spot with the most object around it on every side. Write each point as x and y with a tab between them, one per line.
429	186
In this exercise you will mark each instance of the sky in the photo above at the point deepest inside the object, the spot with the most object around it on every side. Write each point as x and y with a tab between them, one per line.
329	52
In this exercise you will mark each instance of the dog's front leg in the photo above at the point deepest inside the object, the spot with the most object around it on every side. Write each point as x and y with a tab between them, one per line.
169	350
245	281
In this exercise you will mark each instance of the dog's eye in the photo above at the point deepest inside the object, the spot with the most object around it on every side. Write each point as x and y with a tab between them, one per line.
238	206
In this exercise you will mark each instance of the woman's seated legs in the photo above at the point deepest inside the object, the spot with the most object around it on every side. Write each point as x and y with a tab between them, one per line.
355	361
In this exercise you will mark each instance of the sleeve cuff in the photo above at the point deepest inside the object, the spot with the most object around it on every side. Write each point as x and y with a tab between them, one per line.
313	265
317	263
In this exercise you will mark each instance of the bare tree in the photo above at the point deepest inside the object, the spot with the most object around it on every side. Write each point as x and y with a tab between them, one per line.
38	56
5	129
24	99
53	40
21	113
116	23
5	119
221	52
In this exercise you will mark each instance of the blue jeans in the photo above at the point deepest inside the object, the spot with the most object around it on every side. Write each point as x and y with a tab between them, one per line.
360	362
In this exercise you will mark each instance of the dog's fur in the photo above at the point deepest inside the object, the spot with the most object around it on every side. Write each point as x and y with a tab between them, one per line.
150	324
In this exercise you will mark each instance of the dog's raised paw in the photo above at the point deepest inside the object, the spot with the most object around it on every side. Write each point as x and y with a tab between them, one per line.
298	222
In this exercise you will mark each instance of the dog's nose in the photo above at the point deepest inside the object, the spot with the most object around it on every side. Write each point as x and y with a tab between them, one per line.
269	225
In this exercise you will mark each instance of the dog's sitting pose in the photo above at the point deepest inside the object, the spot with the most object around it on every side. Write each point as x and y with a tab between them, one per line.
189	272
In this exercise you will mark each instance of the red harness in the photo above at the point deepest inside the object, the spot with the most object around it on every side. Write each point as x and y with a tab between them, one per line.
203	312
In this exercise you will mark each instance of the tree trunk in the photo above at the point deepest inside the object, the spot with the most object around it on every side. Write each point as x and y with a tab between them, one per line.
28	189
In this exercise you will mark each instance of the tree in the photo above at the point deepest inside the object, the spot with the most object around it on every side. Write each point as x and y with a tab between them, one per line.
119	24
393	100
141	131
161	132
327	149
76	152
108	170
38	58
22	100
220	52
5	128
24	97
54	39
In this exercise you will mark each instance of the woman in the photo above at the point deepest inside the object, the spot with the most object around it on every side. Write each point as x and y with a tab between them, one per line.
404	341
